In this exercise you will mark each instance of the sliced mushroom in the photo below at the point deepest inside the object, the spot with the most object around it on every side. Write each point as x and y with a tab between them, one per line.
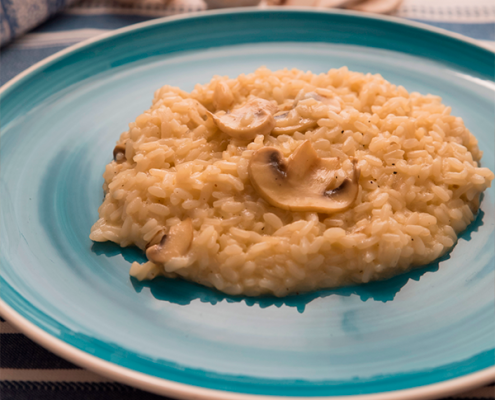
317	97
304	182
175	244
119	153
255	117
284	124
334	104
156	239
282	127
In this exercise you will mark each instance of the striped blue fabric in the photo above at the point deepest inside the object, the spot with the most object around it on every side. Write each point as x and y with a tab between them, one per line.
27	371
19	16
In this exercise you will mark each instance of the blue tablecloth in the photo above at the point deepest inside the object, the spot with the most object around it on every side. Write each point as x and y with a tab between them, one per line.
29	372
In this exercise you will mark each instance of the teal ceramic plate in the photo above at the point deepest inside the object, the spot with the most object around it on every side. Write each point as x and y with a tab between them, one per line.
420	335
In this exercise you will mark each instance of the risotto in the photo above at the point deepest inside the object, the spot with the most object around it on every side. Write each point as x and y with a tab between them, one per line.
289	181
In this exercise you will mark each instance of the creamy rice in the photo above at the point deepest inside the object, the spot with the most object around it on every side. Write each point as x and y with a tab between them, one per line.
419	185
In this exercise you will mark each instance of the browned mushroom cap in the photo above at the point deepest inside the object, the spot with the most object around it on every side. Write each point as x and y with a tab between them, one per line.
175	244
253	118
119	153
304	182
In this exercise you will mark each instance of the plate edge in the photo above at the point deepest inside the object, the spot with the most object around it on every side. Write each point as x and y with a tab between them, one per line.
183	391
401	21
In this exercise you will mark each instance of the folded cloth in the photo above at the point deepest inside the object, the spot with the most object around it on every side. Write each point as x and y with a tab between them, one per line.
20	16
84	20
29	372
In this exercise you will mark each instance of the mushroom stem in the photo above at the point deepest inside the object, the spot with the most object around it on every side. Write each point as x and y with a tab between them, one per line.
304	182
303	125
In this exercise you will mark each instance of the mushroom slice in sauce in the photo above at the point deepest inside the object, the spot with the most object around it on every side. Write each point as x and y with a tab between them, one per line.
175	244
156	239
320	98
282	127
119	153
333	103
304	182
255	117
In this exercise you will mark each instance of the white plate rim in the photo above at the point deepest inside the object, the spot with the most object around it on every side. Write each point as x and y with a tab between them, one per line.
187	392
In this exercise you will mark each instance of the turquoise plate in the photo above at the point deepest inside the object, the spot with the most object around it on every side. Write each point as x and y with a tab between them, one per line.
420	335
